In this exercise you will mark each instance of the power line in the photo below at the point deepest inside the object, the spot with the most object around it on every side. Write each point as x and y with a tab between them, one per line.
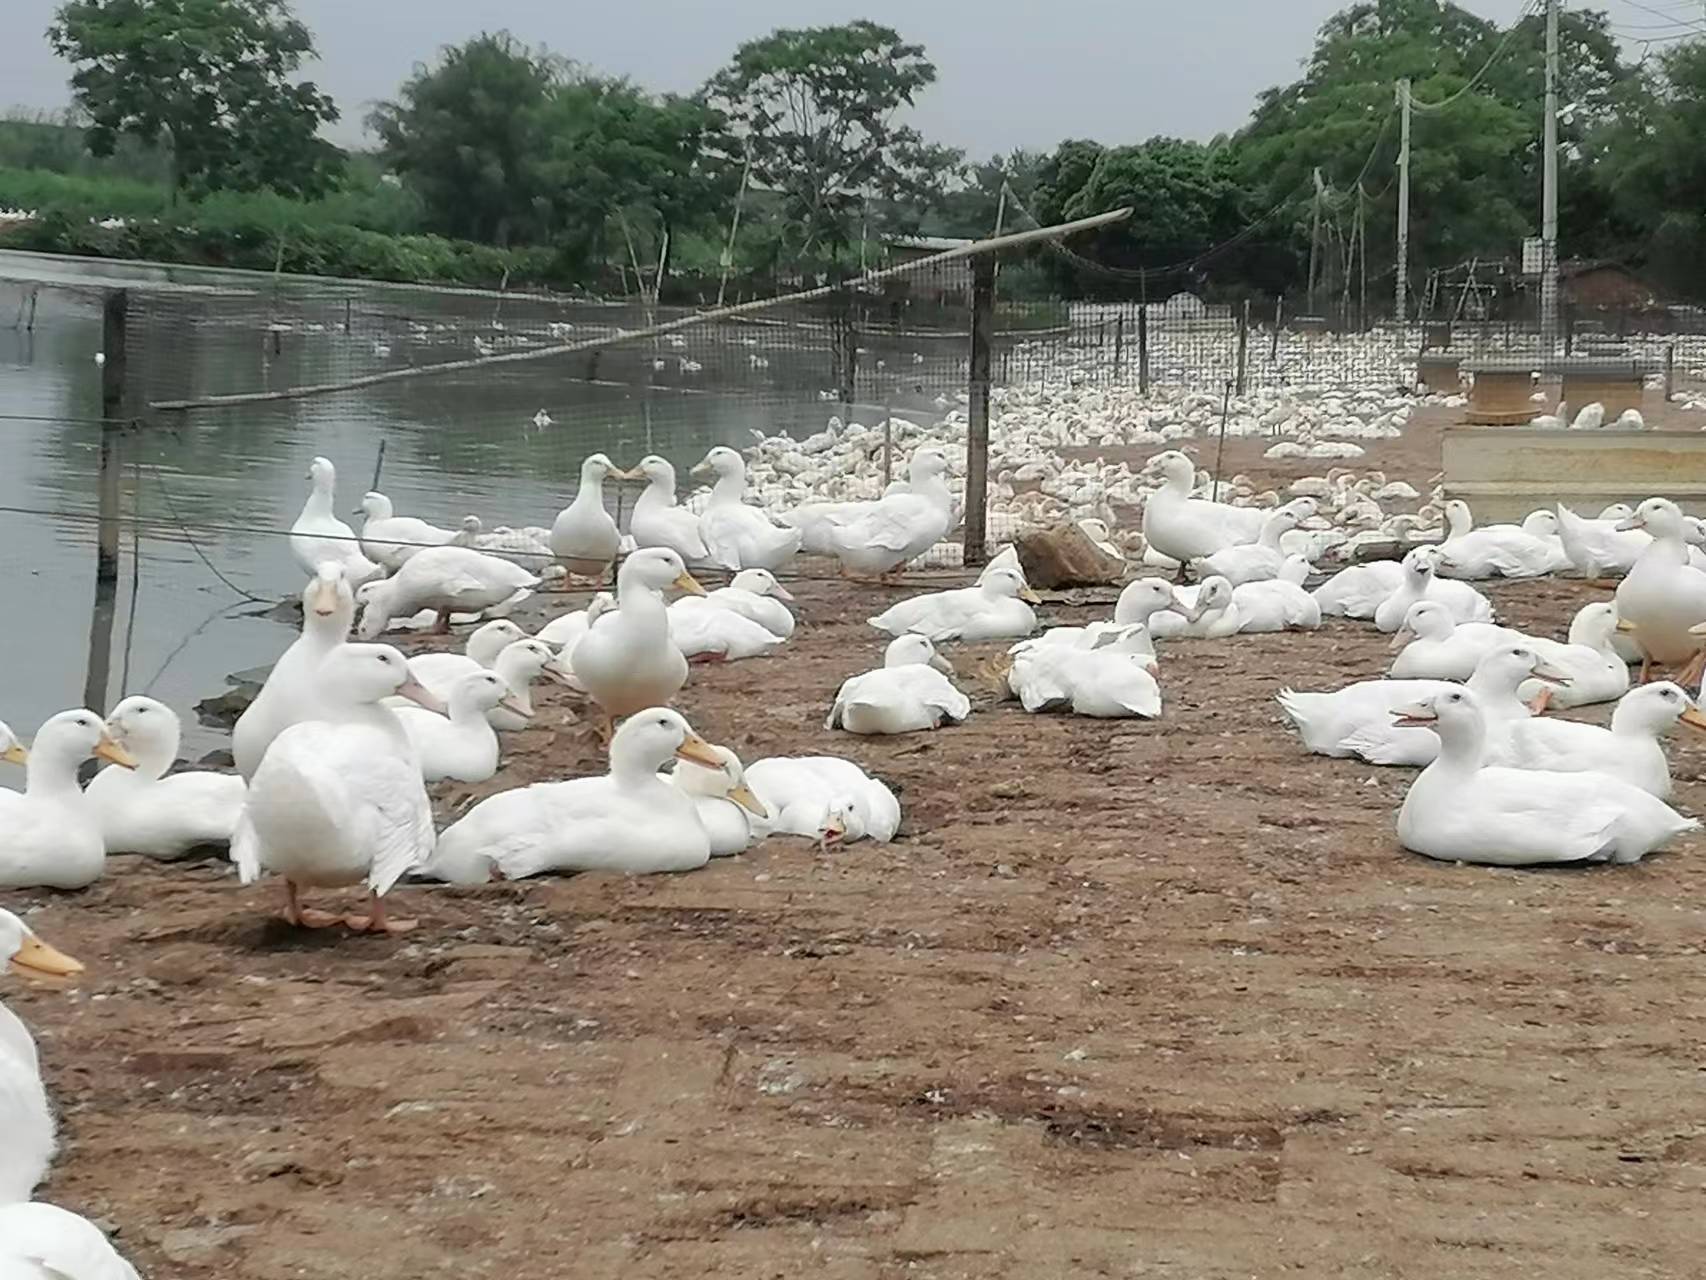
1528	10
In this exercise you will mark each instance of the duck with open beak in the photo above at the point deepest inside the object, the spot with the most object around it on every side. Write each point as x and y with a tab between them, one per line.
833	830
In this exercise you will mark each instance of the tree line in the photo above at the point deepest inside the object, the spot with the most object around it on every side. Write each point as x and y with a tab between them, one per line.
794	159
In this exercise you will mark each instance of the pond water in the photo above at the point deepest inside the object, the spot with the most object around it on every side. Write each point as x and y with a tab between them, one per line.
213	490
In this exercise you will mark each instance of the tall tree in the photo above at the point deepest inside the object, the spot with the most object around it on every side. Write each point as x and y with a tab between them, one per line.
622	169
1475	161
465	134
816	109
212	81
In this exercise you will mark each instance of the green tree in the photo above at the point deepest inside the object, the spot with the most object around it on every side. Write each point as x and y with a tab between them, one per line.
1475	156
624	171
465	134
213	82
815	110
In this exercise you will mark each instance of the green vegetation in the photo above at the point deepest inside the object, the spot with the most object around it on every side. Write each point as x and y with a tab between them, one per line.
500	161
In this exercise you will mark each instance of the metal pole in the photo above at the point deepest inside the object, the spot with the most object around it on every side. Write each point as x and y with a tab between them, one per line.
1243	344
1220	450
1143	348
977	431
1549	194
1279	319
1119	344
1314	241
1401	290
888	442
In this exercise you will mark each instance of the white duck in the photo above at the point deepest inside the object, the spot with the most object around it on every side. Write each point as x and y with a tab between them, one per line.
142	810
1662	596
1542	525
1280	604
566	629
339	800
1139	602
910	691
1434	645
25	1117
448	579
1357	720
1212	613
1595	547
738	536
898	527
626	660
1597	671
522	663
1459	810
584	536
657	521
388	538
1357	591
479	652
463	746
997	609
755	594
51	834
1420	565
328	609
1628	750
726	806
706	633
1112	678
1256	561
44	1242
821	523
1500	550
629	820
812	796
319	537
1184	528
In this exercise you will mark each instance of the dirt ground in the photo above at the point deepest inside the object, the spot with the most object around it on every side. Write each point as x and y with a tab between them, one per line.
1124	999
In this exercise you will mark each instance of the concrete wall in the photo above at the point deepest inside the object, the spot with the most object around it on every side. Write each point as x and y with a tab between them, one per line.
1503	473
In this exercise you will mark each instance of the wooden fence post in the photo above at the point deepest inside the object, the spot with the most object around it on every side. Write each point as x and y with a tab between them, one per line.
1670	370
112	431
977	434
1143	348
1119	344
98	673
1279	319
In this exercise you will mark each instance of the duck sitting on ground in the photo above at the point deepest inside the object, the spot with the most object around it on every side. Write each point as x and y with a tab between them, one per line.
145	810
823	798
1629	749
999	608
448	579
52	833
628	820
909	692
1460	810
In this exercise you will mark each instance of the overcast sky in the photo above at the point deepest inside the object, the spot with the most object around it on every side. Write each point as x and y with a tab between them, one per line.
1012	73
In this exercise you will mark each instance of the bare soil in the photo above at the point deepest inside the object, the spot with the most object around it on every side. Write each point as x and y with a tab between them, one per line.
1124	999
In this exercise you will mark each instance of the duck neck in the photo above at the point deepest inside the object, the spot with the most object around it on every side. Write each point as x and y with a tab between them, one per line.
630	767
591	492
635	599
1461	748
1459	522
153	758
1496	692
518	677
319	499
52	774
659	493
730	487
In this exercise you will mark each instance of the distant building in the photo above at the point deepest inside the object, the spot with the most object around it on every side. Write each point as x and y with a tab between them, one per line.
1594	284
948	284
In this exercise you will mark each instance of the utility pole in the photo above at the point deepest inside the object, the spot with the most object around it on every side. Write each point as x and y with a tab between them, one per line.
1549	194
1402	289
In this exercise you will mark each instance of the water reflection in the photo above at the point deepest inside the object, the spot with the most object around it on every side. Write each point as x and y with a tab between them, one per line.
232	479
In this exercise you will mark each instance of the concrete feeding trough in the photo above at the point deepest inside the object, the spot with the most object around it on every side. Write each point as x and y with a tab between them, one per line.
1618	384
1504	474
1439	371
